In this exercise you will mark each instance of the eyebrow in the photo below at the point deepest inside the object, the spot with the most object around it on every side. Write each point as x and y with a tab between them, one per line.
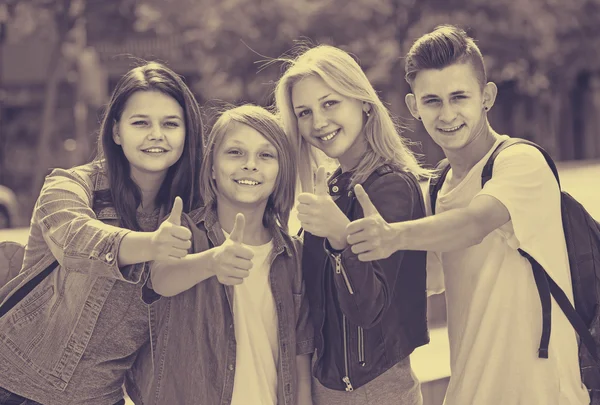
320	98
168	117
454	93
262	145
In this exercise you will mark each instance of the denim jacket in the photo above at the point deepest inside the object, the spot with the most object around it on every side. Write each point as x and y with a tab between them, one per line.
193	353
46	334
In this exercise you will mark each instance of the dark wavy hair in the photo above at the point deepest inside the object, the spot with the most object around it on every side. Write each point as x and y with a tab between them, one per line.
182	178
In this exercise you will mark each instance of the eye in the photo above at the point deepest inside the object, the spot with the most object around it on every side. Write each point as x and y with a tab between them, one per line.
330	103
138	123
267	155
432	101
303	113
459	97
234	152
172	124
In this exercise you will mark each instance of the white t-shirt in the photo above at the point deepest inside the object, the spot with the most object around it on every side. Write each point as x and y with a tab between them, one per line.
255	323
493	306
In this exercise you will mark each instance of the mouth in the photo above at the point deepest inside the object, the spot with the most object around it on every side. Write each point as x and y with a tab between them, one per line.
154	150
452	129
248	182
329	136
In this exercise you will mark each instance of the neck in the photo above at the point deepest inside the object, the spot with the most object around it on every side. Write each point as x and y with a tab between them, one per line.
254	232
349	160
462	160
149	184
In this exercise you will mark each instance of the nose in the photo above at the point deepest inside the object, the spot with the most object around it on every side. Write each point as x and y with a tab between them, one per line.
447	113
250	164
319	121
155	133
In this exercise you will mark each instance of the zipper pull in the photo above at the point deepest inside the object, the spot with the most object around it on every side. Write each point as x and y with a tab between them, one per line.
338	263
349	387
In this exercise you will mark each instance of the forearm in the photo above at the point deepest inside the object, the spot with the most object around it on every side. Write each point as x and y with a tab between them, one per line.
174	276
451	230
135	247
304	379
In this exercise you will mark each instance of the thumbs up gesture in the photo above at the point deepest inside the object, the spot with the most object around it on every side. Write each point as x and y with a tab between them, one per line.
371	237
233	260
319	215
171	240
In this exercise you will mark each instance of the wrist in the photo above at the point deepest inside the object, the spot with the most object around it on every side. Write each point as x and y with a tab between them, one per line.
398	236
338	243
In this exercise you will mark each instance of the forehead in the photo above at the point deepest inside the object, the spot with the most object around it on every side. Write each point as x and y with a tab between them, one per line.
152	102
457	77
310	89
242	134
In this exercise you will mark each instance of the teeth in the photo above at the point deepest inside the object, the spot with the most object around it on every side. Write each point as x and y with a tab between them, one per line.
154	150
451	129
330	135
248	182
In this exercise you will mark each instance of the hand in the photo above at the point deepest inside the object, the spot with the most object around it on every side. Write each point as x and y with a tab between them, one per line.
171	240
371	237
319	215
233	260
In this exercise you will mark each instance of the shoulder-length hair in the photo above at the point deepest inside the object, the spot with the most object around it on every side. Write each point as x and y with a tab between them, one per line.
181	178
281	200
343	74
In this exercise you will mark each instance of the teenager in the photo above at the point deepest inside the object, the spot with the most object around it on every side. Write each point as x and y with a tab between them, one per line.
72	338
368	317
494	311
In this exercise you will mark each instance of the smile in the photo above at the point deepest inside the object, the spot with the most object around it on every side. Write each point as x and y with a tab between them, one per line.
453	129
329	136
247	182
154	150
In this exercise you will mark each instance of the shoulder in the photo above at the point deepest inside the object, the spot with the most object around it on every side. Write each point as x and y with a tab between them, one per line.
386	179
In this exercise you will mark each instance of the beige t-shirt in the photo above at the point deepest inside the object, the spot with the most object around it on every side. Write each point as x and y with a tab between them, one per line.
255	323
494	310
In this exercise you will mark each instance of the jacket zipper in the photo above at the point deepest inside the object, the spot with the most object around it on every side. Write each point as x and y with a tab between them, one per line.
346	378
361	347
339	269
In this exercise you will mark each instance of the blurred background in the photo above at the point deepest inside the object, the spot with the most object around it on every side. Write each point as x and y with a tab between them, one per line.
60	59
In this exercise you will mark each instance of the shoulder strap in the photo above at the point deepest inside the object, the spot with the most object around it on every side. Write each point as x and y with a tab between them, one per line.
488	169
435	184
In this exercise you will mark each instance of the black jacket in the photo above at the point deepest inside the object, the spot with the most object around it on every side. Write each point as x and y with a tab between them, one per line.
367	316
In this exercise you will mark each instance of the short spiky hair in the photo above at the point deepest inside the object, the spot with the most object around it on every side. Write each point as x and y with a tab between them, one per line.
446	45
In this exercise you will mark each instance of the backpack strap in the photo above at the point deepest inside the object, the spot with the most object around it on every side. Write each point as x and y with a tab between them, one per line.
488	169
546	286
435	184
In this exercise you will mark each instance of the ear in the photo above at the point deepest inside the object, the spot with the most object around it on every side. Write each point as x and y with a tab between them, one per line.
490	91
367	107
212	173
115	131
411	103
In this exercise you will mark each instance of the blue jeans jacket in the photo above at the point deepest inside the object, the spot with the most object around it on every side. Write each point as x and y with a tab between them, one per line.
45	335
192	356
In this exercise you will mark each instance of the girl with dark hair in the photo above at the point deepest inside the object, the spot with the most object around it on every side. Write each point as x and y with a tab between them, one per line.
73	319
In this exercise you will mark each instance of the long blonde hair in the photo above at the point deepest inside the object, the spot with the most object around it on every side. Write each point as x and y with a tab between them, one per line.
343	74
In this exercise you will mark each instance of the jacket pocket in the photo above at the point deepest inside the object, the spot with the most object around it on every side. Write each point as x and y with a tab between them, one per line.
31	306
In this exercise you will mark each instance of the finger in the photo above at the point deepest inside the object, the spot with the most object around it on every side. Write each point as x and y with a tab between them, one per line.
241	264
178	253
364	200
321	182
306	198
243	252
181	232
237	234
358	226
362	247
304	219
370	256
231	280
303	209
175	216
357	237
182	244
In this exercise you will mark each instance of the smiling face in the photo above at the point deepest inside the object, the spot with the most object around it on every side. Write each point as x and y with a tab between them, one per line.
151	132
450	102
329	121
245	167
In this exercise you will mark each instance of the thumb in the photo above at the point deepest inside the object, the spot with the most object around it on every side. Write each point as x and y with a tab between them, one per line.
175	216
237	234
321	182
364	200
